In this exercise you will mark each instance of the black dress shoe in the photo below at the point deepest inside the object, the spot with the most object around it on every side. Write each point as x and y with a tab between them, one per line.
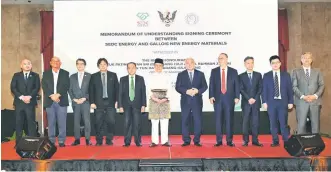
98	144
126	145
275	144
75	143
109	143
167	144
257	144
62	145
88	142
152	145
139	145
185	144
197	144
245	144
218	144
231	144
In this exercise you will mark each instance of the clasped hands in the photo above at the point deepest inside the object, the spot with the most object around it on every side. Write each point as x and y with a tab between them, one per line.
80	101
26	99
309	98
192	92
55	97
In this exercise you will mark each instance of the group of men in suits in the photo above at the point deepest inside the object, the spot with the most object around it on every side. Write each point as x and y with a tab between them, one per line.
103	92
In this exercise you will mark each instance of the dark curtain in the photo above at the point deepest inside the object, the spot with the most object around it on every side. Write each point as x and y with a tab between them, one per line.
283	38
46	46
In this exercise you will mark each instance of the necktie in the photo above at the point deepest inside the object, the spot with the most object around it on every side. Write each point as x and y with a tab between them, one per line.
26	78
131	92
307	74
104	86
223	89
191	77
80	79
250	78
276	87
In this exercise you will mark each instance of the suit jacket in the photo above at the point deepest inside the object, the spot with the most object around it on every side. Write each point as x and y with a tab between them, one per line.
96	92
286	90
139	90
19	87
183	83
62	87
302	86
249	91
75	91
232	84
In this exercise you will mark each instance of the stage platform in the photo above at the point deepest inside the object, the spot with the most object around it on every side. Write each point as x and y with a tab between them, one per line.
207	157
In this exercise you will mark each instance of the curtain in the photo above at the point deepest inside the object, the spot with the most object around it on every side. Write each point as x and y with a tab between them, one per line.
283	38
46	48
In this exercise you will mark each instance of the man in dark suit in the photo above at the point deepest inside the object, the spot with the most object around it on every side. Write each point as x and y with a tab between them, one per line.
250	89
191	84
55	84
103	98
25	86
78	91
277	98
224	92
132	101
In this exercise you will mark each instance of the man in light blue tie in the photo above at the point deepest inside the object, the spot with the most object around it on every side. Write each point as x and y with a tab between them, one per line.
191	84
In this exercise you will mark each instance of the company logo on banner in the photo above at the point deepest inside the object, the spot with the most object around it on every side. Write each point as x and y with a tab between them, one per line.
166	18
191	19
142	16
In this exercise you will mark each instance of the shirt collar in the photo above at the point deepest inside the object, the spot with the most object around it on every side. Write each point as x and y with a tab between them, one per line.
27	73
249	72
132	76
305	68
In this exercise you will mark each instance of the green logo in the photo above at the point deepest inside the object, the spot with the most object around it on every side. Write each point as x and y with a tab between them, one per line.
142	16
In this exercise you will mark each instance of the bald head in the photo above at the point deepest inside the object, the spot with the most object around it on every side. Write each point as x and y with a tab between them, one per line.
26	65
55	63
189	64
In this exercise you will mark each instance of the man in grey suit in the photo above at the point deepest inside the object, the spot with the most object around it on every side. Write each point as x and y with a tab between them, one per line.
78	91
308	86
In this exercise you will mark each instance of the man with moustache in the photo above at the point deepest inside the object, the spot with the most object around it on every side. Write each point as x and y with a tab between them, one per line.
250	89
55	84
132	102
78	91
277	98
224	92
191	84
308	86
103	98
25	86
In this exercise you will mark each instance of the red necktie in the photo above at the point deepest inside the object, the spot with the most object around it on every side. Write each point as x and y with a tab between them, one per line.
223	88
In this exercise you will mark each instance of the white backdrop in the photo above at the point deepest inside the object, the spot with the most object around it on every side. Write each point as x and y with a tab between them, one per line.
124	31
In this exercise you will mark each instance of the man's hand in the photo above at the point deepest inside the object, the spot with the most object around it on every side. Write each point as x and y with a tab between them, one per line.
311	98
306	98
212	100
93	106
82	99
251	101
265	106
142	109
26	99
116	105
195	91
121	110
163	100
190	92
236	101
290	106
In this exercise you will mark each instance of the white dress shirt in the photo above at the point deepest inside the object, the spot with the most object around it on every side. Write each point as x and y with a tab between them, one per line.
134	81
55	77
80	78
273	79
27	73
226	76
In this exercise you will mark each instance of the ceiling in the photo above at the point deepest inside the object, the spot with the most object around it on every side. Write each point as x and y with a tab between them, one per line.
51	1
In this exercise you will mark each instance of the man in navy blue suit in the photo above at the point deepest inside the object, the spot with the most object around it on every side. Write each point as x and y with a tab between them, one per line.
250	89
224	91
277	98
191	84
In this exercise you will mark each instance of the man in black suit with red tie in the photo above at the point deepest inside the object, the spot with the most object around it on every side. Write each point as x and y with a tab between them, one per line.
25	86
132	102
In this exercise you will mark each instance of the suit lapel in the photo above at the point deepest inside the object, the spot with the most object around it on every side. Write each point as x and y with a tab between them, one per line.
247	79
218	76
135	84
